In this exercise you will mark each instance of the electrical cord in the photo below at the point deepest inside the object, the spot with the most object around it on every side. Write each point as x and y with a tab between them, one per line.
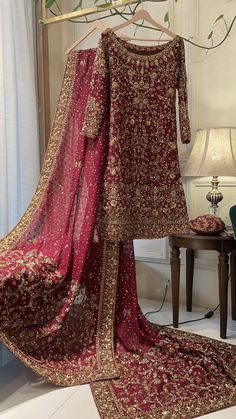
159	309
208	315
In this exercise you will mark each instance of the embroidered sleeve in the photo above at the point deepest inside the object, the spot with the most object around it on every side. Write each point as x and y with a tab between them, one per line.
98	97
184	123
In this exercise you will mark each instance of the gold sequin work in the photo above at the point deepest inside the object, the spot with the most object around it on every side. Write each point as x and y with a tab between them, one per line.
56	304
56	136
163	383
136	86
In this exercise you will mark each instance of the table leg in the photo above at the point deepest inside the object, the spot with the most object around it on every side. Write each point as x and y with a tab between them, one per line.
175	276
189	277
223	269
233	282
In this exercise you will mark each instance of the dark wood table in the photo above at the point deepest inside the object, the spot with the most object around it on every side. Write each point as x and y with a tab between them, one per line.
224	245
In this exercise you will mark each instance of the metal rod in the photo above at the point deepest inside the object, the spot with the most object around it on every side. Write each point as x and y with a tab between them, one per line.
42	49
84	12
43	10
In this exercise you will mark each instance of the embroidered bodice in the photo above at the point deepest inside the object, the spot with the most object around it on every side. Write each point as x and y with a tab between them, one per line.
135	87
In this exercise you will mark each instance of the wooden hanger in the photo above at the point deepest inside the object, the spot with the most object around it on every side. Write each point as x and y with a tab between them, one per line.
134	38
97	24
143	14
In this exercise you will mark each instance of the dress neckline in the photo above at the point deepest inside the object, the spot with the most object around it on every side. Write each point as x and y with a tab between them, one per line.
125	46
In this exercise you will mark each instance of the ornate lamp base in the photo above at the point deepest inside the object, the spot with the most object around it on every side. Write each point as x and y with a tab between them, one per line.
214	196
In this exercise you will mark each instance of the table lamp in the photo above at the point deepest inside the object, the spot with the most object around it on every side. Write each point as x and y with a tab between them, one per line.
213	154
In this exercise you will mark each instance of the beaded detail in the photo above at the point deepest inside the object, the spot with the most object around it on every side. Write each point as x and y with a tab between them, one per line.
143	195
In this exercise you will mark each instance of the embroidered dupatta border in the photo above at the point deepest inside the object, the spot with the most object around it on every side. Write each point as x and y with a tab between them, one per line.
105	359
109	405
106	314
61	116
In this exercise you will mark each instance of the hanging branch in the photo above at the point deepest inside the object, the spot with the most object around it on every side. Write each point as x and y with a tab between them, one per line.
210	36
129	11
80	11
49	3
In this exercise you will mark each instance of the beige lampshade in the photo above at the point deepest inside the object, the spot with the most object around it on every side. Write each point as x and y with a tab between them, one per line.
213	153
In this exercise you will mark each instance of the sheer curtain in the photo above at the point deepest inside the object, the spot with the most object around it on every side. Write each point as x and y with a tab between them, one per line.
19	143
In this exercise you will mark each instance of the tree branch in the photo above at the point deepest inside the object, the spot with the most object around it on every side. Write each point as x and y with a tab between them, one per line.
126	15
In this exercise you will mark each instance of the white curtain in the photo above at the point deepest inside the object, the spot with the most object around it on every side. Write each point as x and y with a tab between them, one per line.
19	144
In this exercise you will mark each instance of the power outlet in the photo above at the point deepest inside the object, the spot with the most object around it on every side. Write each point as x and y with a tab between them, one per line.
167	281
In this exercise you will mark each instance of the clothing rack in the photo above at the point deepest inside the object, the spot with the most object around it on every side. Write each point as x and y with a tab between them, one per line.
45	20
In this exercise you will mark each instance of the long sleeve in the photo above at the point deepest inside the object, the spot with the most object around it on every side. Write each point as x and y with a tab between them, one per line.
184	123
98	98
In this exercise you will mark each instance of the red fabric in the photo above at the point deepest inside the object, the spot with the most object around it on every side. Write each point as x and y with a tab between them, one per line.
207	224
60	236
68	298
142	194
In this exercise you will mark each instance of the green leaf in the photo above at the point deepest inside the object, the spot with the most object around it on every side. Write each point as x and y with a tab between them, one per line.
101	6
49	3
219	18
210	35
166	18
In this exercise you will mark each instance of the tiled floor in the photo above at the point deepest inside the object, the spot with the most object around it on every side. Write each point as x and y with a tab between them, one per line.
24	396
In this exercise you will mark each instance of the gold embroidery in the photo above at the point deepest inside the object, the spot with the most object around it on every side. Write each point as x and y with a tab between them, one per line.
160	391
105	331
50	157
143	167
97	102
97	334
100	363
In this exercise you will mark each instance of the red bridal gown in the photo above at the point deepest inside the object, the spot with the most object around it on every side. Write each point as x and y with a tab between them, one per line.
143	195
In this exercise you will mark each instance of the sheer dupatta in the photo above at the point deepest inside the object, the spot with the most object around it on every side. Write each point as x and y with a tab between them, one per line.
52	262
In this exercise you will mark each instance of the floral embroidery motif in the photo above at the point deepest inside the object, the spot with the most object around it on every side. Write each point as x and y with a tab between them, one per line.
43	269
143	195
166	381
